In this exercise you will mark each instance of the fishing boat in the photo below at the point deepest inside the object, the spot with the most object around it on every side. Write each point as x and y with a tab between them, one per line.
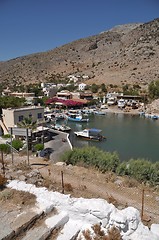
76	117
90	134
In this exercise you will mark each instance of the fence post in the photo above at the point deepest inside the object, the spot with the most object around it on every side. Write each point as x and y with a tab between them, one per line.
62	181
142	208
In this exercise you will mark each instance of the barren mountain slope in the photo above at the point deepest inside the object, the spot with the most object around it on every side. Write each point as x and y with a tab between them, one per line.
125	54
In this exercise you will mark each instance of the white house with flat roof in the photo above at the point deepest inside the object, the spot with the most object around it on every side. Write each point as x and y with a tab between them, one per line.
12	116
81	86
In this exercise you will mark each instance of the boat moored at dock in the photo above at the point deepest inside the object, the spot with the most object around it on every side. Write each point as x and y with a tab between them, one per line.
76	117
90	134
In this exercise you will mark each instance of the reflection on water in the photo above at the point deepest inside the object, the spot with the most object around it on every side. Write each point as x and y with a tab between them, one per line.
130	136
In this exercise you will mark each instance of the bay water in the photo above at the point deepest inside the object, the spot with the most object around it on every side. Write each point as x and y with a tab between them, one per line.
131	136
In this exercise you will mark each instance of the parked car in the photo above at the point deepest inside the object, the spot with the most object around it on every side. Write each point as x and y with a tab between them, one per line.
46	152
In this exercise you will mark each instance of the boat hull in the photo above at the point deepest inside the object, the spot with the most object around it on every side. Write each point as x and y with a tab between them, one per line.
92	138
78	120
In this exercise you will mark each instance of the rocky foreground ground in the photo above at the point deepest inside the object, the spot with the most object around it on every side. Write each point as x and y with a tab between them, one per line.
78	182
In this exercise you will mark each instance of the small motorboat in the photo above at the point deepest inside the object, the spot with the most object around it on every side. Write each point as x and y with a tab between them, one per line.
76	117
90	134
59	127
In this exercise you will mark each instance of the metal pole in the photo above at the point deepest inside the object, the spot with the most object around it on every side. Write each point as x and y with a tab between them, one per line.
27	145
11	132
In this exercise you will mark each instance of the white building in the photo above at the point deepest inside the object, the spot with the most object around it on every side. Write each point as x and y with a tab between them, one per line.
12	116
81	86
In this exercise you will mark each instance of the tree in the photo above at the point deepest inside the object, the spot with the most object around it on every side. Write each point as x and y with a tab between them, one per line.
28	123
4	148
103	88
9	101
153	89
94	88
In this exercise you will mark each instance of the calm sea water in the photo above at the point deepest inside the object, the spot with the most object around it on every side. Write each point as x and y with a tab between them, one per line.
130	136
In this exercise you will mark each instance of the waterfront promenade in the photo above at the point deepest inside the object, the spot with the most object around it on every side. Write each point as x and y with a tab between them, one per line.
59	144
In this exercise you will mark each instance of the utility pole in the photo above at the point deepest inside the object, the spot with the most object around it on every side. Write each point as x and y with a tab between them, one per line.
27	140
11	132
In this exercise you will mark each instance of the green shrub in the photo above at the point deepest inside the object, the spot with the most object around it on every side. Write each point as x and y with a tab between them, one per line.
6	136
122	169
17	144
154	179
39	147
67	157
140	169
92	156
4	148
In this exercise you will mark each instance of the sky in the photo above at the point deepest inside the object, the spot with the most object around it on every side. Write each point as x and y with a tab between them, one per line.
32	26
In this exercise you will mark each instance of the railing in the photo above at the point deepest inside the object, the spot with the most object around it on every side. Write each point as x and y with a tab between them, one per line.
15	150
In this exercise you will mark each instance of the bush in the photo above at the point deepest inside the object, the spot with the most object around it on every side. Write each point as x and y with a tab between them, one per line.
154	179
140	169
17	144
92	156
39	147
6	136
3	181
99	234
122	169
4	148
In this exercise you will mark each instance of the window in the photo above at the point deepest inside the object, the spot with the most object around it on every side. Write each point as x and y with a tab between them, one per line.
21	117
39	115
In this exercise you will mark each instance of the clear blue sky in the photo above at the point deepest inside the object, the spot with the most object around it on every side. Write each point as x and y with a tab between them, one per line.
31	26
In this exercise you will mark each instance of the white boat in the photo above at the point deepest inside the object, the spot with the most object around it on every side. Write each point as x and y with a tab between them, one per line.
59	127
121	103
111	101
90	134
99	113
76	117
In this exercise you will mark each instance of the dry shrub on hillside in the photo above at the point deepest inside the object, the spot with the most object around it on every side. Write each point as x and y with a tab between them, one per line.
99	234
130	182
112	200
3	181
22	166
68	187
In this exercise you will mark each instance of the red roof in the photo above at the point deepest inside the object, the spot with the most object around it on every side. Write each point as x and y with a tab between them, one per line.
67	103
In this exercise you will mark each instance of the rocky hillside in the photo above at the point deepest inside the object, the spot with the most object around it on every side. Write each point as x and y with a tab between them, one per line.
125	54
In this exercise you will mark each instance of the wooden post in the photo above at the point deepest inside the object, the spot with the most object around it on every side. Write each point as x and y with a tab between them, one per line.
63	190
3	167
142	208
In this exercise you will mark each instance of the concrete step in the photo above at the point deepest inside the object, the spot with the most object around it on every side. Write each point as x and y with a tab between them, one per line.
66	234
12	223
45	228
